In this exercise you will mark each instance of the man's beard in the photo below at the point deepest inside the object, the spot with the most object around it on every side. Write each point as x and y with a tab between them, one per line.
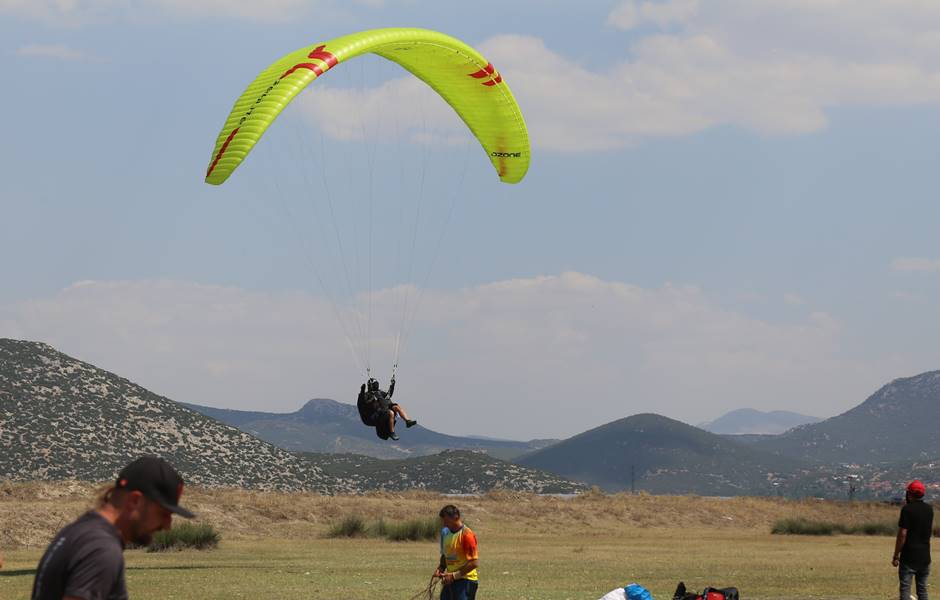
140	537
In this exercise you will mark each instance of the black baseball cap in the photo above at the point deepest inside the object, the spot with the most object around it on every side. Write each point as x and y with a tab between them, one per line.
156	479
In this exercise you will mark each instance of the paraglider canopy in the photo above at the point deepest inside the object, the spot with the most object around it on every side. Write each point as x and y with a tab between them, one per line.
453	72
459	74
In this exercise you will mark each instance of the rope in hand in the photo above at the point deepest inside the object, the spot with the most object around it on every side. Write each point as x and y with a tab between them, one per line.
429	592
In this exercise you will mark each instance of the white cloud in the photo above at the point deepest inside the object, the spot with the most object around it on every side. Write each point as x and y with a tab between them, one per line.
525	357
753	68
54	51
76	13
624	16
793	299
671	12
269	10
403	108
67	13
630	14
774	68
196	343
910	298
916	264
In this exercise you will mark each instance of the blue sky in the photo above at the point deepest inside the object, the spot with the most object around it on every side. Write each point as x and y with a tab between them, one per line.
730	204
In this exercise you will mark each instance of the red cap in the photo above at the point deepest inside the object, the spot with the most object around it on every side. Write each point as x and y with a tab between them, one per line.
916	488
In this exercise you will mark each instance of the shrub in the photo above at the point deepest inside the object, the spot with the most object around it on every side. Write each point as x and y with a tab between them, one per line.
378	528
803	527
349	527
411	530
808	527
876	528
199	536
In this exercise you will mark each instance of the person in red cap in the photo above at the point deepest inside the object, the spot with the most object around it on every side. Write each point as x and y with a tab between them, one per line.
85	560
912	547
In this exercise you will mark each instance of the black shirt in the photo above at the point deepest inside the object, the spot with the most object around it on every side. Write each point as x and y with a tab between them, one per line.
366	405
84	560
917	518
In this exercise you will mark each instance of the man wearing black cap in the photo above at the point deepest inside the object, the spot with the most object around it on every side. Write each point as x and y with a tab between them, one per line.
85	560
912	546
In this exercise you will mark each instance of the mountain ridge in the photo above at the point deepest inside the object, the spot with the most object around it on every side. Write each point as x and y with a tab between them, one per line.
662	455
324	425
896	422
64	419
61	418
750	421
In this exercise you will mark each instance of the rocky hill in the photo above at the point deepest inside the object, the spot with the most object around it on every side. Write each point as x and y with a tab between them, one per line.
896	423
662	455
327	426
448	472
61	418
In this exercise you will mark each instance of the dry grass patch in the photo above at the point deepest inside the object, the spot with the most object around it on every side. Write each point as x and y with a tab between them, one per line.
30	513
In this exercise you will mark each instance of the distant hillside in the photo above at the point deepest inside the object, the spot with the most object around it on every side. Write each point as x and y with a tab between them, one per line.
747	439
666	456
896	423
61	418
450	472
327	426
750	421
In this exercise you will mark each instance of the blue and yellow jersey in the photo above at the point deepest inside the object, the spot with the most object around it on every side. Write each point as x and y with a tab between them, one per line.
458	548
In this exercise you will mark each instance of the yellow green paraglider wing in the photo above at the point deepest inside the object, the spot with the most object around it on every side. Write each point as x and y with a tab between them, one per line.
457	72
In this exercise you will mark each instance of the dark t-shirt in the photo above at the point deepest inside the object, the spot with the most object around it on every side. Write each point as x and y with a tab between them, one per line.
373	408
84	560
366	405
917	518
383	403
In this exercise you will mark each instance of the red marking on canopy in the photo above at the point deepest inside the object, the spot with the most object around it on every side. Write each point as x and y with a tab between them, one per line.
484	72
221	151
328	57
320	54
488	73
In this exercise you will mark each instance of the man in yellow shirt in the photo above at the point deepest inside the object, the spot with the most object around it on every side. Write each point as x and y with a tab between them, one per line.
459	558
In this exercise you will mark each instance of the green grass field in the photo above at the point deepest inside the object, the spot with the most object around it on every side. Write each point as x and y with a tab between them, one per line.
275	546
515	565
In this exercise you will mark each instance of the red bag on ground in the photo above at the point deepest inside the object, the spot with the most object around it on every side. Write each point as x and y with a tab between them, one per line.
707	594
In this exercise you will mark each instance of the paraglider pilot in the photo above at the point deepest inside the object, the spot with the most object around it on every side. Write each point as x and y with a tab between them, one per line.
376	409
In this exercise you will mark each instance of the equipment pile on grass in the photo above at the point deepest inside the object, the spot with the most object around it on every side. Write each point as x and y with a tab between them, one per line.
413	530
197	536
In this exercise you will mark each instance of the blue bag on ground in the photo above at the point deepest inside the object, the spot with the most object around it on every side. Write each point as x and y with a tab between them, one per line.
636	591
